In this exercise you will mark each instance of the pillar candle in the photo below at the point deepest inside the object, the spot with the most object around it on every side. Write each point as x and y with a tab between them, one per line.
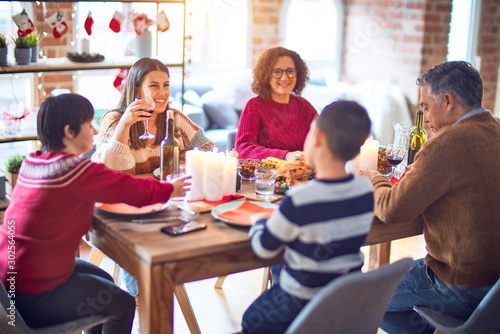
85	45
195	166
214	176
369	154
230	167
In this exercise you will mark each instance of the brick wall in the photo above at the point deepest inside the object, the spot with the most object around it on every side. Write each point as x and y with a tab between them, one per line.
489	50
394	40
265	25
53	48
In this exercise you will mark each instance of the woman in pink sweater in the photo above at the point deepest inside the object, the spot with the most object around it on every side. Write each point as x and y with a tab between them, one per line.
51	209
276	122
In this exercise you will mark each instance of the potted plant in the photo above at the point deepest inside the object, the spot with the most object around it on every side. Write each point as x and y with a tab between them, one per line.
22	52
32	40
3	50
11	171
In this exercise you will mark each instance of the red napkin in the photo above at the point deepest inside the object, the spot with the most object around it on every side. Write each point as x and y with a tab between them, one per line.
224	199
242	214
394	180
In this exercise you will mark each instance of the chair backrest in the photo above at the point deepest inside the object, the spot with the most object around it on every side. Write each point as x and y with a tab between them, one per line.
353	303
486	317
13	323
231	137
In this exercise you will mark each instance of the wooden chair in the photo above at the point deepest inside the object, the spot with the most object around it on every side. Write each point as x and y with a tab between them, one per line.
96	257
266	280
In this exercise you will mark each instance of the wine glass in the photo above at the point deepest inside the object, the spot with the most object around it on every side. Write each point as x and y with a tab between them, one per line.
394	155
151	103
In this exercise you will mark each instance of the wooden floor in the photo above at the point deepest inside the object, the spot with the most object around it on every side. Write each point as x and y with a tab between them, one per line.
220	310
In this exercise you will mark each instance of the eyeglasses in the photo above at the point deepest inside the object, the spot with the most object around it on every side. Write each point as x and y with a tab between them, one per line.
278	73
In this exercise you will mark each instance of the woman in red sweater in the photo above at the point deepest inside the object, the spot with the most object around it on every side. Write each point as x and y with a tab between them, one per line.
51	209
276	122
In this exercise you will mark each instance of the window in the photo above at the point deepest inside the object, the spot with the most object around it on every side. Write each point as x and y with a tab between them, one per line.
219	30
463	31
313	28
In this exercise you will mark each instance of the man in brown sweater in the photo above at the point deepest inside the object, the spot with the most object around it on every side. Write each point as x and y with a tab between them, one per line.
454	183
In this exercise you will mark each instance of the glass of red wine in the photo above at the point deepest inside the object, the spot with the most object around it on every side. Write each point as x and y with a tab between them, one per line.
394	155
150	109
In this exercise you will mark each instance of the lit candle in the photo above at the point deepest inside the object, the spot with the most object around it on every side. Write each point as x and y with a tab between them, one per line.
369	154
195	166
214	176
230	167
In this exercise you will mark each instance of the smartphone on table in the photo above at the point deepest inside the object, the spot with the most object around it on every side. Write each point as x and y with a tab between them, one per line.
183	228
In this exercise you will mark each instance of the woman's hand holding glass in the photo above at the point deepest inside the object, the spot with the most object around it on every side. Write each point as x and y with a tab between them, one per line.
147	106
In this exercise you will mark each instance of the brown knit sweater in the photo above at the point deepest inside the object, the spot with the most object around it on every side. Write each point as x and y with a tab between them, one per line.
454	184
118	156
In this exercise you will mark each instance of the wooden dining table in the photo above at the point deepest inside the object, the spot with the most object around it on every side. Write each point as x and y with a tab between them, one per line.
163	263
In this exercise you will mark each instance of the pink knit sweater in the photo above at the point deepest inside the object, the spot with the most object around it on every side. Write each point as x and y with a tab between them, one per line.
271	129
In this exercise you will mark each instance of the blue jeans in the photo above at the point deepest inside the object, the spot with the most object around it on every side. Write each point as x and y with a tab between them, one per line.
272	312
130	282
421	287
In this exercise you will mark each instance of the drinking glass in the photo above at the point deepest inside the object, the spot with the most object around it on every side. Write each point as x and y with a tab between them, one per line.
264	182
151	103
394	155
170	177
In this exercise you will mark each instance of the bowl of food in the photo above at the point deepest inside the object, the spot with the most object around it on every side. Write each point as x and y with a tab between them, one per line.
383	166
247	168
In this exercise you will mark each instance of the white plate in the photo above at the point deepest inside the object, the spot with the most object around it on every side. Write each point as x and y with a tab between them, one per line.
156	173
219	209
123	209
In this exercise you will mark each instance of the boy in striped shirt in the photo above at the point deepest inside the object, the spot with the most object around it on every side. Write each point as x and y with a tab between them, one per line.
320	225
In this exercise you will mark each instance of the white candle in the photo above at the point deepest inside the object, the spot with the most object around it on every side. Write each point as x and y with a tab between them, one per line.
369	154
195	166
214	176
230	167
85	45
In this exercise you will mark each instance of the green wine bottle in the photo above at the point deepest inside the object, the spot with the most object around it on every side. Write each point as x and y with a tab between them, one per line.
169	150
418	136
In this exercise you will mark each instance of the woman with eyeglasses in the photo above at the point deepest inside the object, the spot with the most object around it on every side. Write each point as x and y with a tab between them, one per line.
275	122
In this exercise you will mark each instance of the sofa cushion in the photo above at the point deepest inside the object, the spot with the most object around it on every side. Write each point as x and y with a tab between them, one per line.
220	112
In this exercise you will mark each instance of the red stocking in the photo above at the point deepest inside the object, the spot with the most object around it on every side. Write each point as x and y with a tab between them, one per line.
120	79
88	24
116	21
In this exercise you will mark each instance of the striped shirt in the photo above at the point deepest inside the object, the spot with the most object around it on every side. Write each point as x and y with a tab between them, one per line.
321	226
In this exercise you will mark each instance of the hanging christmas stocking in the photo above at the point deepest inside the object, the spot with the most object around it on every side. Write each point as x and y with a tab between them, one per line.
89	21
141	23
116	21
162	20
58	24
24	24
120	79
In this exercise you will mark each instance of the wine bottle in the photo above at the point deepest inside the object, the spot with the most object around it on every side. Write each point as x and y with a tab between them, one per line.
169	150
418	136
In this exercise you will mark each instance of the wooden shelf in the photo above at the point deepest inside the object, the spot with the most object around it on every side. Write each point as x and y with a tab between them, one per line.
64	64
10	139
